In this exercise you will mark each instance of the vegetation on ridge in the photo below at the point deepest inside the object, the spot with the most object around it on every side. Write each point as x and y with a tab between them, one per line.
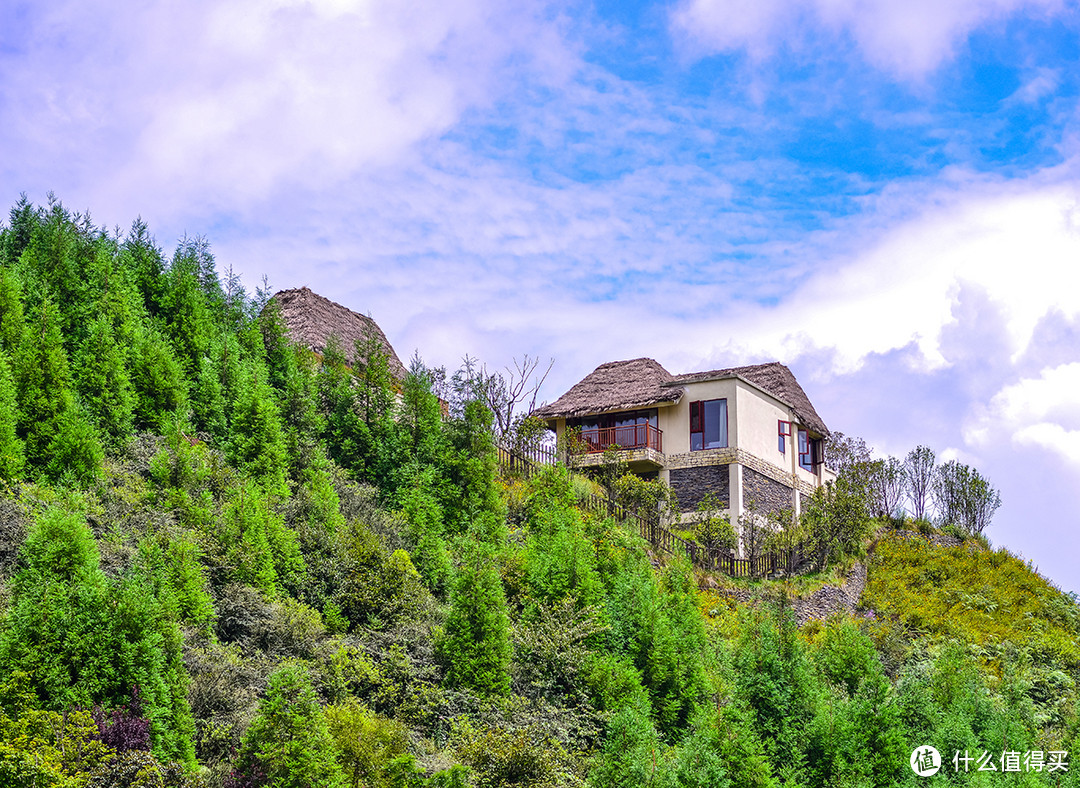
226	561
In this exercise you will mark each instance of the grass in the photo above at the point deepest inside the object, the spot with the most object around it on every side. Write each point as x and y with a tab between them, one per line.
988	598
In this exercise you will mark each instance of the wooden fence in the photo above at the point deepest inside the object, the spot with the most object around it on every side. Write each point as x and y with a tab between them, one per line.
524	462
708	559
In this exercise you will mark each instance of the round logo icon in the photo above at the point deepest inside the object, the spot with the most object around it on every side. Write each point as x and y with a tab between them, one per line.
925	761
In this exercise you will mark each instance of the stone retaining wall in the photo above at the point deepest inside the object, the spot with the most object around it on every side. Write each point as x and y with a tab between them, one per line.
691	485
767	494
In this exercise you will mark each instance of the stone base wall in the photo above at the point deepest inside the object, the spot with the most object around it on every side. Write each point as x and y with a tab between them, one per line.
768	494
691	485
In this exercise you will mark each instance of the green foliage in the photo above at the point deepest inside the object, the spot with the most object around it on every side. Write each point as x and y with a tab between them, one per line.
630	751
648	498
263	551
86	641
713	530
476	646
378	588
12	456
525	757
158	379
559	559
423	516
366	743
257	444
836	520
288	743
964	498
660	630
44	748
105	384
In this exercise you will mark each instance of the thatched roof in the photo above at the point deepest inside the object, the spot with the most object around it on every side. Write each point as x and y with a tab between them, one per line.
642	382
311	319
774	378
617	385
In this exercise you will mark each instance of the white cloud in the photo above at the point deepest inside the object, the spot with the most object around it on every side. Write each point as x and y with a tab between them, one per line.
908	39
1041	411
1017	243
226	104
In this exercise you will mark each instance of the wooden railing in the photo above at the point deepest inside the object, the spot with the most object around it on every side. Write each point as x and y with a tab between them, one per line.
649	528
633	436
524	462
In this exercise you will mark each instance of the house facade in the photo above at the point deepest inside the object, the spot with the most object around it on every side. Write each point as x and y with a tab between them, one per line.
748	434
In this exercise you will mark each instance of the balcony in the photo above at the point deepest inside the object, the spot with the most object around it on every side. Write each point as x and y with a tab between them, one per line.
641	446
634	436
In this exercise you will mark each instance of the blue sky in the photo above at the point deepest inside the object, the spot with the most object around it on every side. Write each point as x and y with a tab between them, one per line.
881	195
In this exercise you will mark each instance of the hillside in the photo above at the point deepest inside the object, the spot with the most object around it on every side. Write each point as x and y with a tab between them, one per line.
228	561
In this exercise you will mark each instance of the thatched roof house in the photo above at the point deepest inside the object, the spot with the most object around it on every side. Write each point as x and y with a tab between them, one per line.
748	436
643	382
311	319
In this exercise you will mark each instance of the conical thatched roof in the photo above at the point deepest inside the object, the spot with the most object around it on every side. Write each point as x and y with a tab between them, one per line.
642	382
617	385
774	378
311	319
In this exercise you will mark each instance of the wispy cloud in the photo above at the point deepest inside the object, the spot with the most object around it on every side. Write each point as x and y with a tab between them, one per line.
906	39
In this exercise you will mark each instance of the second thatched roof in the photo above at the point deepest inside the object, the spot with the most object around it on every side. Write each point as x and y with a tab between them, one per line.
643	382
311	320
617	385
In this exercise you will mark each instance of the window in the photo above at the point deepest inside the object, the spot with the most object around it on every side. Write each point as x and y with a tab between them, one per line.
708	424
783	429
811	451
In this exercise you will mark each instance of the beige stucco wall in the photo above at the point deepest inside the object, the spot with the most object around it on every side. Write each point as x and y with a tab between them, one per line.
758	417
675	420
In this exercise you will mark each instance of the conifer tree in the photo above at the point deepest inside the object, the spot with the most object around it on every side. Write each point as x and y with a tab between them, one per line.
257	443
477	641
158	380
105	383
288	744
11	310
12	457
141	256
44	384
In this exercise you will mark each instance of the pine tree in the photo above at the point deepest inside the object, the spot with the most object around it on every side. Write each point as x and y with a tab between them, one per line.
477	641
288	744
12	456
44	385
105	384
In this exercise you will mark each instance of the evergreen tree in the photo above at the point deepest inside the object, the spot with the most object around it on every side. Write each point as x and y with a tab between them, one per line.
105	384
158	380
12	321
44	385
288	744
257	443
85	641
12	457
477	641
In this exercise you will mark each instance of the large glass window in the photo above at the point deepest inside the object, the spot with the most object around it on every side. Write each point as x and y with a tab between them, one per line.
708	424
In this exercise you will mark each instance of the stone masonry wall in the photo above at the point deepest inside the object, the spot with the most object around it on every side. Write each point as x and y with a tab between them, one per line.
691	484
768	494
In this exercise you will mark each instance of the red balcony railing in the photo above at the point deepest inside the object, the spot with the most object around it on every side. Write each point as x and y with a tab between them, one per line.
635	436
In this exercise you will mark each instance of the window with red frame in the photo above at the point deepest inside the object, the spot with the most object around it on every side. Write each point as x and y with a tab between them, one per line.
783	429
708	424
